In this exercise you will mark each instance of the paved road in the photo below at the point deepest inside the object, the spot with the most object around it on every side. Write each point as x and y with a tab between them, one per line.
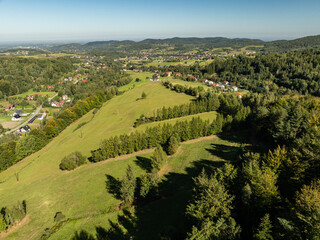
26	122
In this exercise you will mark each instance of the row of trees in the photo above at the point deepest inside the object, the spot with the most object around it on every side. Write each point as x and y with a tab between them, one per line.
159	135
195	107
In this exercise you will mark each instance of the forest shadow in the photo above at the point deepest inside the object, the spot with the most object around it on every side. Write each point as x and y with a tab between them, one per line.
113	186
225	152
144	163
162	214
240	136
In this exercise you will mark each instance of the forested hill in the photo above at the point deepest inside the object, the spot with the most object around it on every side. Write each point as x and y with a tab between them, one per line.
296	44
178	43
192	43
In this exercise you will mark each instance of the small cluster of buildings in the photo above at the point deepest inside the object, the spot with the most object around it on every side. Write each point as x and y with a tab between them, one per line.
65	99
225	86
32	97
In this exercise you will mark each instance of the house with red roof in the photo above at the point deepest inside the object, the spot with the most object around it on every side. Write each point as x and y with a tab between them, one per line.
50	87
10	107
169	74
29	97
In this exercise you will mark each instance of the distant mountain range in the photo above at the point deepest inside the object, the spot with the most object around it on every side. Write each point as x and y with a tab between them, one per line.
193	43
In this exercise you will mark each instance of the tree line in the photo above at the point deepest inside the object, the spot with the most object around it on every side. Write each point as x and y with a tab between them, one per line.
195	107
154	136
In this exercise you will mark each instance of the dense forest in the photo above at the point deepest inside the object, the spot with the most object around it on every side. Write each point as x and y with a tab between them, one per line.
278	72
18	75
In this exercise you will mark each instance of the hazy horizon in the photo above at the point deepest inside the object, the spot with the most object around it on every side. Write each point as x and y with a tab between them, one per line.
84	41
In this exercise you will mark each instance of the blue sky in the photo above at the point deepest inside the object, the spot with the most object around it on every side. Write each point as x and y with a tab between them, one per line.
70	20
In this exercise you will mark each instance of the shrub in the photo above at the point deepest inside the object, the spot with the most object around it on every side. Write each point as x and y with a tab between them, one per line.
59	217
72	161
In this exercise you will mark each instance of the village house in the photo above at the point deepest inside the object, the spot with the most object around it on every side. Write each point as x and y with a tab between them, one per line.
65	97
221	86
40	116
25	129
16	117
169	74
234	88
21	113
55	104
29	97
10	107
50	87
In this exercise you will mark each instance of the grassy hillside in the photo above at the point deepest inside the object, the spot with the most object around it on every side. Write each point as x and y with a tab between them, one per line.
80	193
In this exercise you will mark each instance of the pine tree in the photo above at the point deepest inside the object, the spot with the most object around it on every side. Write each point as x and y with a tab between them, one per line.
158	159
172	145
264	230
128	186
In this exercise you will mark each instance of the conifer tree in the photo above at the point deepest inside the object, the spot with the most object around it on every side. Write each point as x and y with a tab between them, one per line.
158	159
172	145
264	230
128	186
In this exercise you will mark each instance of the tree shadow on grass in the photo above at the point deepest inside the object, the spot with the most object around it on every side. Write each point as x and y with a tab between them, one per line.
144	163
161	216
113	186
225	152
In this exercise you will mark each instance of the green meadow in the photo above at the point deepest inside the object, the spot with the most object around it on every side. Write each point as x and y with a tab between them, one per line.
81	194
31	92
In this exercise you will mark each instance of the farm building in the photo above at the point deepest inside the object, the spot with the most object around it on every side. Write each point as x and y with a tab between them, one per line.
10	107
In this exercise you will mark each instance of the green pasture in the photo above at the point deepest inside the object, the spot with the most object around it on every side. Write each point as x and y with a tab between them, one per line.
81	194
31	92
